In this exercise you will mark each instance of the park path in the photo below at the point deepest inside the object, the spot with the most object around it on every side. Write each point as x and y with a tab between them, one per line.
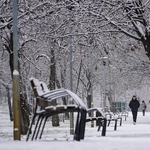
128	136
6	126
141	129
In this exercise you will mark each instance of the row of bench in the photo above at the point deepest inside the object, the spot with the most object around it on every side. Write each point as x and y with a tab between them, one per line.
45	108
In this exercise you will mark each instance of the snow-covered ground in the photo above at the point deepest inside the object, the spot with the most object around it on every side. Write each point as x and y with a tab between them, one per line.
127	137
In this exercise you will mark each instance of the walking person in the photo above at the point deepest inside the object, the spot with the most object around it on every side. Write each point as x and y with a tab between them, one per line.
134	105
143	107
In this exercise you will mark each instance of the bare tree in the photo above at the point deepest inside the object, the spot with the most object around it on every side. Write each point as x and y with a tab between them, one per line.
130	17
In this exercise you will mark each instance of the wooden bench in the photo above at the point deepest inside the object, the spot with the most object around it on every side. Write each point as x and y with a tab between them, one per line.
102	119
123	114
44	101
113	117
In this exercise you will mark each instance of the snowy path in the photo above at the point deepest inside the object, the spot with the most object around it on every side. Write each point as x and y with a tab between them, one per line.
127	137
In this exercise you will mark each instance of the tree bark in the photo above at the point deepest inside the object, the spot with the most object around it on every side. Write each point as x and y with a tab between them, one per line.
55	119
79	75
9	103
24	114
63	99
146	43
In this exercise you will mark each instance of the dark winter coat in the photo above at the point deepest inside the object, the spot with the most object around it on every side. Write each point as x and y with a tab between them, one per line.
134	105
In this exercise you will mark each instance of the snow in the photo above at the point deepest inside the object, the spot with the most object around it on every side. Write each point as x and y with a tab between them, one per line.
138	25
76	98
127	137
15	73
37	85
44	55
105	57
16	129
44	87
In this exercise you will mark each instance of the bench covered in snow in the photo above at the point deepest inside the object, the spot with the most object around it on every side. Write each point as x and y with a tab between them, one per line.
46	108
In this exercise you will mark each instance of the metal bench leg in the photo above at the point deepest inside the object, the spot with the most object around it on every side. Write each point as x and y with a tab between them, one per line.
35	128
83	124
115	127
109	122
120	121
39	127
104	127
76	134
80	130
43	127
30	127
99	127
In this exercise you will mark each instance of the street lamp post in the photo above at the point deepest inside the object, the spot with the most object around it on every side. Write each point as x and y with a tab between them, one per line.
115	96
92	122
70	42
16	90
113	84
104	102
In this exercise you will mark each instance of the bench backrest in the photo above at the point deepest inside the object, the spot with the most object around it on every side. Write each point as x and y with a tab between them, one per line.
41	91
36	86
58	93
44	87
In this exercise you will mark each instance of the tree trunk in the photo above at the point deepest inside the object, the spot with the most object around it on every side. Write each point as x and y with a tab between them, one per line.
79	75
55	119
146	43
24	114
63	73
63	99
89	101
89	94
9	103
110	99
10	50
